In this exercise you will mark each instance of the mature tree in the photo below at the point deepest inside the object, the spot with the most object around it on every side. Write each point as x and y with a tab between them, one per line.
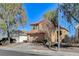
70	11
51	16
11	16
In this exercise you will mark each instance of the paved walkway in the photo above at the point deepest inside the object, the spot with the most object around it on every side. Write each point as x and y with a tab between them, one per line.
35	49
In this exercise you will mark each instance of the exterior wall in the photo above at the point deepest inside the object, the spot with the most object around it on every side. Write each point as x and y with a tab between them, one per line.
77	31
3	35
54	35
47	28
43	27
35	38
22	38
64	32
40	27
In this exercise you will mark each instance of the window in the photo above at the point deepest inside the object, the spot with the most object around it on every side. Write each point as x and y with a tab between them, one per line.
60	33
35	27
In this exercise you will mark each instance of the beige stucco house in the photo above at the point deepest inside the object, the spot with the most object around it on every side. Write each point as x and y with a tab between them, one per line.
44	29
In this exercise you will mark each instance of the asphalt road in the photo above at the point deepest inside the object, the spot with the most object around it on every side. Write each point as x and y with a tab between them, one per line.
15	53
28	49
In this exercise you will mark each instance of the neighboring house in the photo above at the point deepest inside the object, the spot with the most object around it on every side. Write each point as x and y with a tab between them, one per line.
2	35
19	35
43	29
77	31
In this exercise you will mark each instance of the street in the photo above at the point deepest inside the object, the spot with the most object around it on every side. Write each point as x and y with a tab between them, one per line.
30	49
14	53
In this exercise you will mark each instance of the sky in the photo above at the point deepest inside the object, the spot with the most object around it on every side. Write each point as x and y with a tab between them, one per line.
35	11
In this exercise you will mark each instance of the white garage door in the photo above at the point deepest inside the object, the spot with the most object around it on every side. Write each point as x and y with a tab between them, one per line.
21	38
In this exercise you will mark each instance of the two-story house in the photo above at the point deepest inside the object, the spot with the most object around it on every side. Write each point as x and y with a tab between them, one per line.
43	29
37	33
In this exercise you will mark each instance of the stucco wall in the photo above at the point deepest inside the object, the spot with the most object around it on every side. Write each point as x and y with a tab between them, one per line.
54	35
35	38
22	38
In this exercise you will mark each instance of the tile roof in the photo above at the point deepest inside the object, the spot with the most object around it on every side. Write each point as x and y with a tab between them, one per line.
42	21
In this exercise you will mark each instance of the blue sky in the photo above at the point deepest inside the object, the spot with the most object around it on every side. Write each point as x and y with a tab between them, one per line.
35	11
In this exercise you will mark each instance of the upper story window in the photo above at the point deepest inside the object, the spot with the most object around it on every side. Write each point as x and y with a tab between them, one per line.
60	32
35	28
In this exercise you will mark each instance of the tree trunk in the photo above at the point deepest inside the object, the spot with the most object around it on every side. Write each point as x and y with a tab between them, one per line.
8	36
8	33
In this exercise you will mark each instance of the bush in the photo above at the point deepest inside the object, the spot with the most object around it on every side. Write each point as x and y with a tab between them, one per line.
70	40
12	40
4	40
66	39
